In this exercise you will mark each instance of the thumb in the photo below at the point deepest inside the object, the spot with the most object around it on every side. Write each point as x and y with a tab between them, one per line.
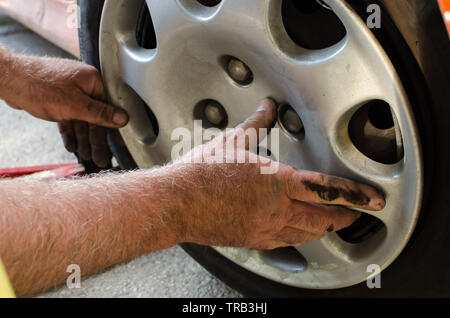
264	117
98	113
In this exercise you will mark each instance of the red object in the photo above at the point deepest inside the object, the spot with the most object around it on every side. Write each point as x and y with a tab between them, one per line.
445	8
44	172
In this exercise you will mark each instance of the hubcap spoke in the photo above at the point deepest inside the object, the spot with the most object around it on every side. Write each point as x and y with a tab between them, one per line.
136	64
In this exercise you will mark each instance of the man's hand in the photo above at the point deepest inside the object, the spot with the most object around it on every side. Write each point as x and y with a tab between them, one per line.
233	204
64	91
114	217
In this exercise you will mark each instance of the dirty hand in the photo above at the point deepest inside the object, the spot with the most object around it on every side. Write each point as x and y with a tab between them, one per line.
233	204
70	93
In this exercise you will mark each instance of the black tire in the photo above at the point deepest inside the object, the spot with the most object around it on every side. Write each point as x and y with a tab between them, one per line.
414	36
88	37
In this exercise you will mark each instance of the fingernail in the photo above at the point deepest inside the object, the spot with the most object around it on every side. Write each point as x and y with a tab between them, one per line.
120	118
103	163
378	202
268	106
261	107
274	102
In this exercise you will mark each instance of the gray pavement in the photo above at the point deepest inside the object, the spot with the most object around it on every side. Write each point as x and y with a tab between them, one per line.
26	141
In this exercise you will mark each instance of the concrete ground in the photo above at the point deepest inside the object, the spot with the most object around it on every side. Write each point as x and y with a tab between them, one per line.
26	141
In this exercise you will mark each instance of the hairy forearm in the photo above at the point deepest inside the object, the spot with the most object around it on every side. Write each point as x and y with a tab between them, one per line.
94	223
26	77
16	71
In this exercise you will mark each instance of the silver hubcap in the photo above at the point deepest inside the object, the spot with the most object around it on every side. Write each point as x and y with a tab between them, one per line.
325	89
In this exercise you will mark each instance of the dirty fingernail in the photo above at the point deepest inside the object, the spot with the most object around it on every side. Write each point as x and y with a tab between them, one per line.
265	104
261	107
120	118
378	201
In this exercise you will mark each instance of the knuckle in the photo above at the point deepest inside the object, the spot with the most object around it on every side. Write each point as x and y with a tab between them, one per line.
323	178
325	225
90	106
106	114
87	107
90	71
98	112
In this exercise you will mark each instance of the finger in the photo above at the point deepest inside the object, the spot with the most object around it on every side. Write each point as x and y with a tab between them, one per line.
90	81
320	219
274	244
100	153
293	236
98	113
260	122
270	245
264	117
68	135
82	136
320	188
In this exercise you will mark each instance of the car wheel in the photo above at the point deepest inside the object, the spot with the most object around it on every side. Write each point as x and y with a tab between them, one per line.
367	104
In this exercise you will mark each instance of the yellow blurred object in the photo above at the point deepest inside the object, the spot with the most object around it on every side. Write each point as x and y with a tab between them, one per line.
6	290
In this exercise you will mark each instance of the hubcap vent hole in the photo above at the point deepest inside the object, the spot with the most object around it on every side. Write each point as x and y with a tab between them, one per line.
374	132
145	30
209	3
362	230
143	121
211	113
380	115
200	10
311	25
285	259
291	122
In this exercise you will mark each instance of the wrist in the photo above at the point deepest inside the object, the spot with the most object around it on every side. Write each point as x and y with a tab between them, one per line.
162	209
180	196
